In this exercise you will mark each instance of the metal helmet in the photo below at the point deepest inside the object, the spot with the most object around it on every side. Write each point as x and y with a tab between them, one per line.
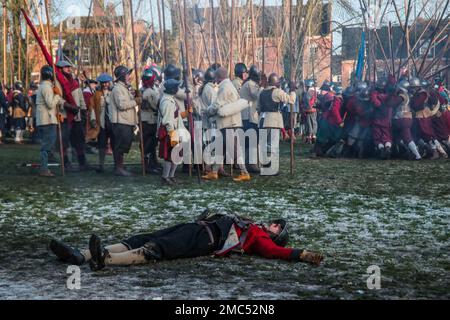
337	90
381	84
46	73
156	70
364	95
274	80
104	78
425	83
439	81
309	83
215	66
172	72
121	72
282	238
63	64
18	86
148	78
34	86
209	75
239	69
198	74
415	82
349	91
171	86
254	74
361	85
403	86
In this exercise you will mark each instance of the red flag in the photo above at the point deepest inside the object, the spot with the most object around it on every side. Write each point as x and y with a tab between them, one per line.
68	85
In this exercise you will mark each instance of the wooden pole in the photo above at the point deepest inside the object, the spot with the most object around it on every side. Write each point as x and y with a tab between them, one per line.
213	20
61	148
292	78
252	14
41	22
188	98
231	41
391	48
27	59
19	52
163	49
5	34
263	35
83	36
164	32
136	77
433	37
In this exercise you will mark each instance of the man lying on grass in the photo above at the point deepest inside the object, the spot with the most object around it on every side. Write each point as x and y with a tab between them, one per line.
212	234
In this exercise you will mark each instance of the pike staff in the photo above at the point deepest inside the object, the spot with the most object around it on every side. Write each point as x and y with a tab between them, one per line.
186	73
136	76
61	150
291	106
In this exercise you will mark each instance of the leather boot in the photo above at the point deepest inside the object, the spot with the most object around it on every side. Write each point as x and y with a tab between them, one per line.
120	169
101	160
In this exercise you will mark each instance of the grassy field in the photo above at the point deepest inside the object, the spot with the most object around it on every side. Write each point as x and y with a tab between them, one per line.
394	214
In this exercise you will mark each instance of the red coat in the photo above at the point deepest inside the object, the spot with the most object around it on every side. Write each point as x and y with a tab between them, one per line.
333	115
419	100
360	111
382	113
446	118
258	242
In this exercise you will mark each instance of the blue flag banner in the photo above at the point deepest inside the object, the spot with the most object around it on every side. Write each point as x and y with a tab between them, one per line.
360	65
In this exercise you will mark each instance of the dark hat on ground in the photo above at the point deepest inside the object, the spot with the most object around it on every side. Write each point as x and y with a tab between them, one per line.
281	239
104	77
63	64
171	86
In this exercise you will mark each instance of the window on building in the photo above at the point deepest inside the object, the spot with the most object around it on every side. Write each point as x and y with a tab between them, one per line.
248	26
313	51
424	48
86	55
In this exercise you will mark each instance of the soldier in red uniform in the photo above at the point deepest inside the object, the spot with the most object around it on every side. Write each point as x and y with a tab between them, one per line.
212	234
360	108
331	122
382	117
403	119
424	118
440	119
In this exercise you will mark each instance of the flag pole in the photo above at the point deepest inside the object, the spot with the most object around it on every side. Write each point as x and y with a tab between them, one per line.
136	74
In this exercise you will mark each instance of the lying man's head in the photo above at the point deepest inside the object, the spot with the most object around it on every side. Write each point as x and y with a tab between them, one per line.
278	232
